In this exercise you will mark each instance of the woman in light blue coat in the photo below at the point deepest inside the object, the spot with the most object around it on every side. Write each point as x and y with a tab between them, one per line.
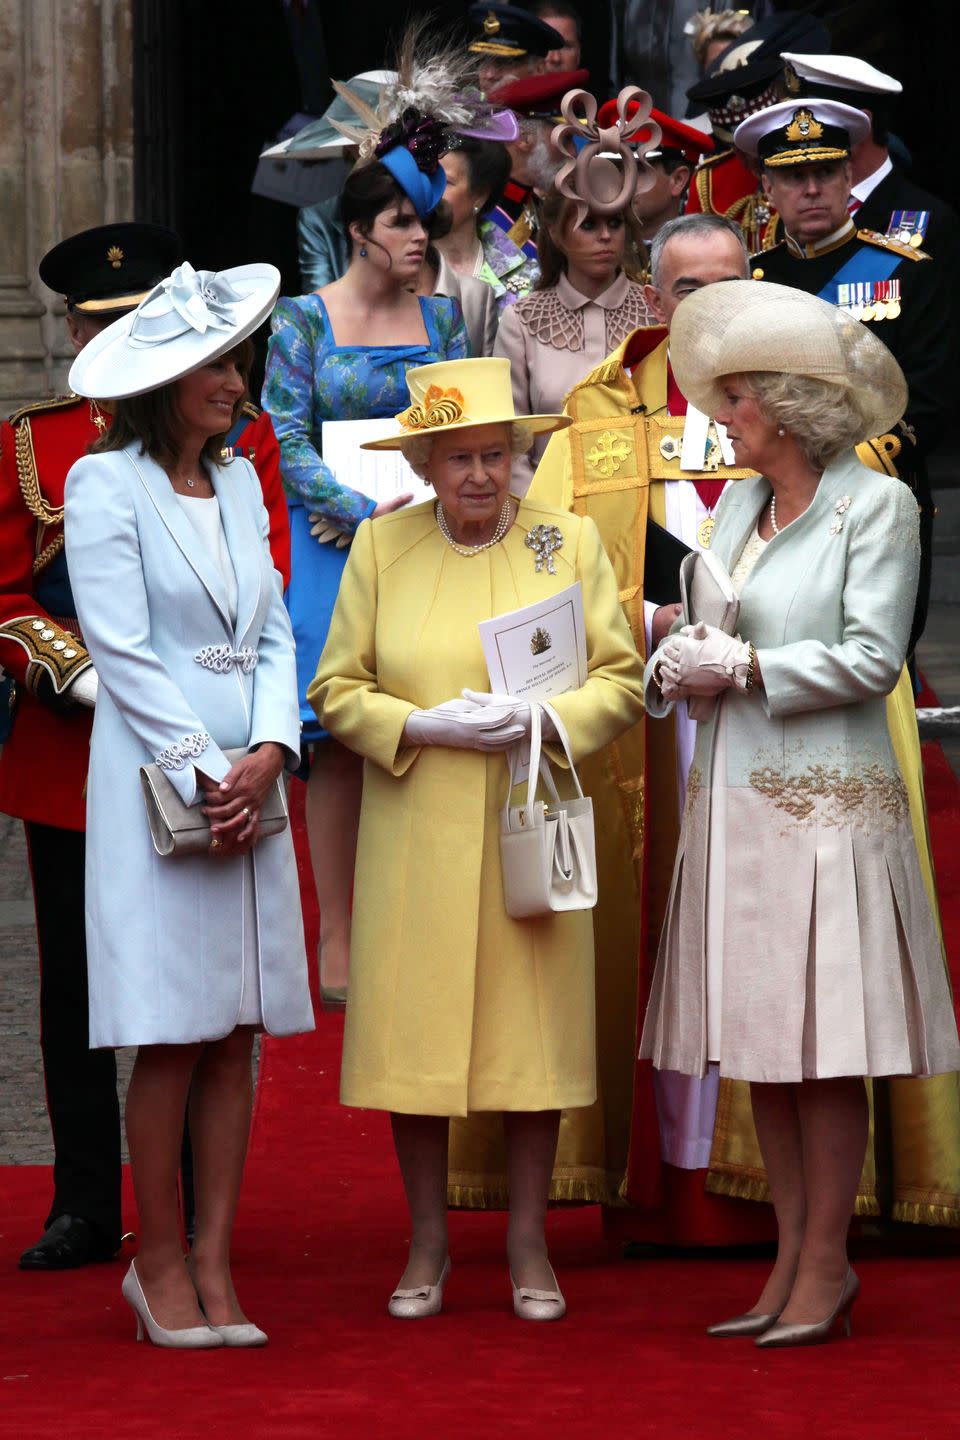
799	950
181	610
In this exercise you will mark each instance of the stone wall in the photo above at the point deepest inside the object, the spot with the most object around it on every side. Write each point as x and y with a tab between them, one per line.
66	162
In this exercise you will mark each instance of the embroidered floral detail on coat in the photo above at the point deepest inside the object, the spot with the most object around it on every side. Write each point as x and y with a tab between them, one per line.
837	796
694	786
181	752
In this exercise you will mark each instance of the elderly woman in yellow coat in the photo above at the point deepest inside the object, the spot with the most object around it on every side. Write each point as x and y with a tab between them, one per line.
454	1006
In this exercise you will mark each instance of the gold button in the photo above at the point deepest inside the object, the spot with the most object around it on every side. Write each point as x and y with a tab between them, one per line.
758	273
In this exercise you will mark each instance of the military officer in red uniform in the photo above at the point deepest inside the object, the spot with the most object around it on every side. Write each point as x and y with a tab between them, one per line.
102	273
744	78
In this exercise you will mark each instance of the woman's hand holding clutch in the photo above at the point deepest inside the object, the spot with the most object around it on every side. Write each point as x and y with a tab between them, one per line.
702	660
461	725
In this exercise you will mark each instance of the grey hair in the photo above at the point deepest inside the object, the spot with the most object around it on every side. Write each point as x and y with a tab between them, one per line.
693	226
825	419
417	450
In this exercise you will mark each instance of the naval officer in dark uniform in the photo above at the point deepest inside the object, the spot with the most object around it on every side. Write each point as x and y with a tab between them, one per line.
902	292
883	196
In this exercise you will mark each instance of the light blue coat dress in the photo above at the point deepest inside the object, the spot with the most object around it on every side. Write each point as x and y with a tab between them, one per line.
797	868
179	682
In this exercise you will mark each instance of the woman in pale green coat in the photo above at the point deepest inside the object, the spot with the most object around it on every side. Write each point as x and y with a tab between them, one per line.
454	1006
799	949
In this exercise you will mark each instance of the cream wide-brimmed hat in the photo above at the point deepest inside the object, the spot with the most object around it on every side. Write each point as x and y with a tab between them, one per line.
739	327
458	394
189	319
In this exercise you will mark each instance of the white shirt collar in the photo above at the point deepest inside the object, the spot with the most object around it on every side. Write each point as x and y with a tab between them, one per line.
865	188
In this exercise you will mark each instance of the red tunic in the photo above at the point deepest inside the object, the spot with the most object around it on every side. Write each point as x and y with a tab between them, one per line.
43	764
723	185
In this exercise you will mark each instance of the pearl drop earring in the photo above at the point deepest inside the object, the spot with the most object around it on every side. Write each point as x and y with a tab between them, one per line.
780	429
363	256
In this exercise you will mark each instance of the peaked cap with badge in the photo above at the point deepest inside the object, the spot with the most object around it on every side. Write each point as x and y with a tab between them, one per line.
506	32
110	268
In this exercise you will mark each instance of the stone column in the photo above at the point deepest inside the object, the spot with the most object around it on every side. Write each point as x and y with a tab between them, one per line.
66	162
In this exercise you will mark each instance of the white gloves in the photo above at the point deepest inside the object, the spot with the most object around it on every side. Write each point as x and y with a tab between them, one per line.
84	689
702	660
326	533
521	710
461	725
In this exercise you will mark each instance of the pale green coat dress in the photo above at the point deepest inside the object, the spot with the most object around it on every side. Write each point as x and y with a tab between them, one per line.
455	1007
809	885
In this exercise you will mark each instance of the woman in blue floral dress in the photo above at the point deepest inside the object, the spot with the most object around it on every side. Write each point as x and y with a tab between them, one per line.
342	353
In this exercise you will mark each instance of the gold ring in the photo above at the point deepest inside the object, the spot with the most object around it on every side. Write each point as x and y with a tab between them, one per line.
214	843
246	812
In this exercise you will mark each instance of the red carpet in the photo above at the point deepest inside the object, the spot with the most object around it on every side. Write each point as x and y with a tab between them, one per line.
320	1243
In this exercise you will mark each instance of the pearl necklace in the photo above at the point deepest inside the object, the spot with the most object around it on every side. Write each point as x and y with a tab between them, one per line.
503	525
773	515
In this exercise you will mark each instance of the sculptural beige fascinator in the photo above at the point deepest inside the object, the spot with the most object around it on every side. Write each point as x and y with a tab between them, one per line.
739	327
603	170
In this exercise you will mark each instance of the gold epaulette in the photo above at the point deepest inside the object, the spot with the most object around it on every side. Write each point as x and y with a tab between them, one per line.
712	159
602	374
51	650
37	407
886	242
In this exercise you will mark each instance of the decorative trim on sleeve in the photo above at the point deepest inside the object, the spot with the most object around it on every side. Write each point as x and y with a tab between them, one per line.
51	650
180	753
222	659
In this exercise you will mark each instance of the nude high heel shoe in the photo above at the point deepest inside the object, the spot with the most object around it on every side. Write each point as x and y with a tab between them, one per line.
821	1330
194	1337
748	1324
538	1304
420	1301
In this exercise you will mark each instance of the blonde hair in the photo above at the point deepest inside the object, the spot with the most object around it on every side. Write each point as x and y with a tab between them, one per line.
417	450
825	419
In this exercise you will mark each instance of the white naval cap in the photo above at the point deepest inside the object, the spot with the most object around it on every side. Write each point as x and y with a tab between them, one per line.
842	72
802	131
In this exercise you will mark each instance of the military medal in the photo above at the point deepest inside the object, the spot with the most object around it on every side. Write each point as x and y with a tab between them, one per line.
909	227
705	532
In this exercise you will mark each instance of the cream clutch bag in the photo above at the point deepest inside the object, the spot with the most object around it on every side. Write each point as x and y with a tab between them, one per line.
707	594
178	829
548	854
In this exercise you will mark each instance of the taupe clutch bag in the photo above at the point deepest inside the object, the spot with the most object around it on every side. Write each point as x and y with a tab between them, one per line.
178	829
707	593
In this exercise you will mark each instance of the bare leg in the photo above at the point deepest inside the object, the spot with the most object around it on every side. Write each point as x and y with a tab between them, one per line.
777	1123
834	1122
333	816
531	1151
220	1104
155	1107
421	1143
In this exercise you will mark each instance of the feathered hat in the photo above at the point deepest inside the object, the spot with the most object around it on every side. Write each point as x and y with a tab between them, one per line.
419	117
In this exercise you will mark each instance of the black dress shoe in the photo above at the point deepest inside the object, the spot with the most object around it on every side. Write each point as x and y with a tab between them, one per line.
70	1241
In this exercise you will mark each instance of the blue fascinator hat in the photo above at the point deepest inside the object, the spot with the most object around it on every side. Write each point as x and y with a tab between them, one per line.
410	149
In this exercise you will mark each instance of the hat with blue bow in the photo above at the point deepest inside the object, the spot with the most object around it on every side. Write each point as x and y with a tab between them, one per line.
190	319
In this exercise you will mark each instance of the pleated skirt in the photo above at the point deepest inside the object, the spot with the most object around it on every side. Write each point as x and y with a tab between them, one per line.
799	941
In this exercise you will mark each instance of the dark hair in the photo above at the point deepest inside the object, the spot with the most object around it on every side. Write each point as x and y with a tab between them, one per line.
555	213
370	189
154	420
563	11
671	160
488	167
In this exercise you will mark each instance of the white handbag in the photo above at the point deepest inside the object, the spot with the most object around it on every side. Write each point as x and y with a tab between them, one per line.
548	853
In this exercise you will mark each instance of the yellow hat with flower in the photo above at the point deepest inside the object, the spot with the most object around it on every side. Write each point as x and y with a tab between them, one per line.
458	394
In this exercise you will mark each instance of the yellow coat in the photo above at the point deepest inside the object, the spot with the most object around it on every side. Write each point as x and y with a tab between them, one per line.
454	1007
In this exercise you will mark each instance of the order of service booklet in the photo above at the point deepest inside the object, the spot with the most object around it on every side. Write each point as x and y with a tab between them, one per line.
381	474
538	651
